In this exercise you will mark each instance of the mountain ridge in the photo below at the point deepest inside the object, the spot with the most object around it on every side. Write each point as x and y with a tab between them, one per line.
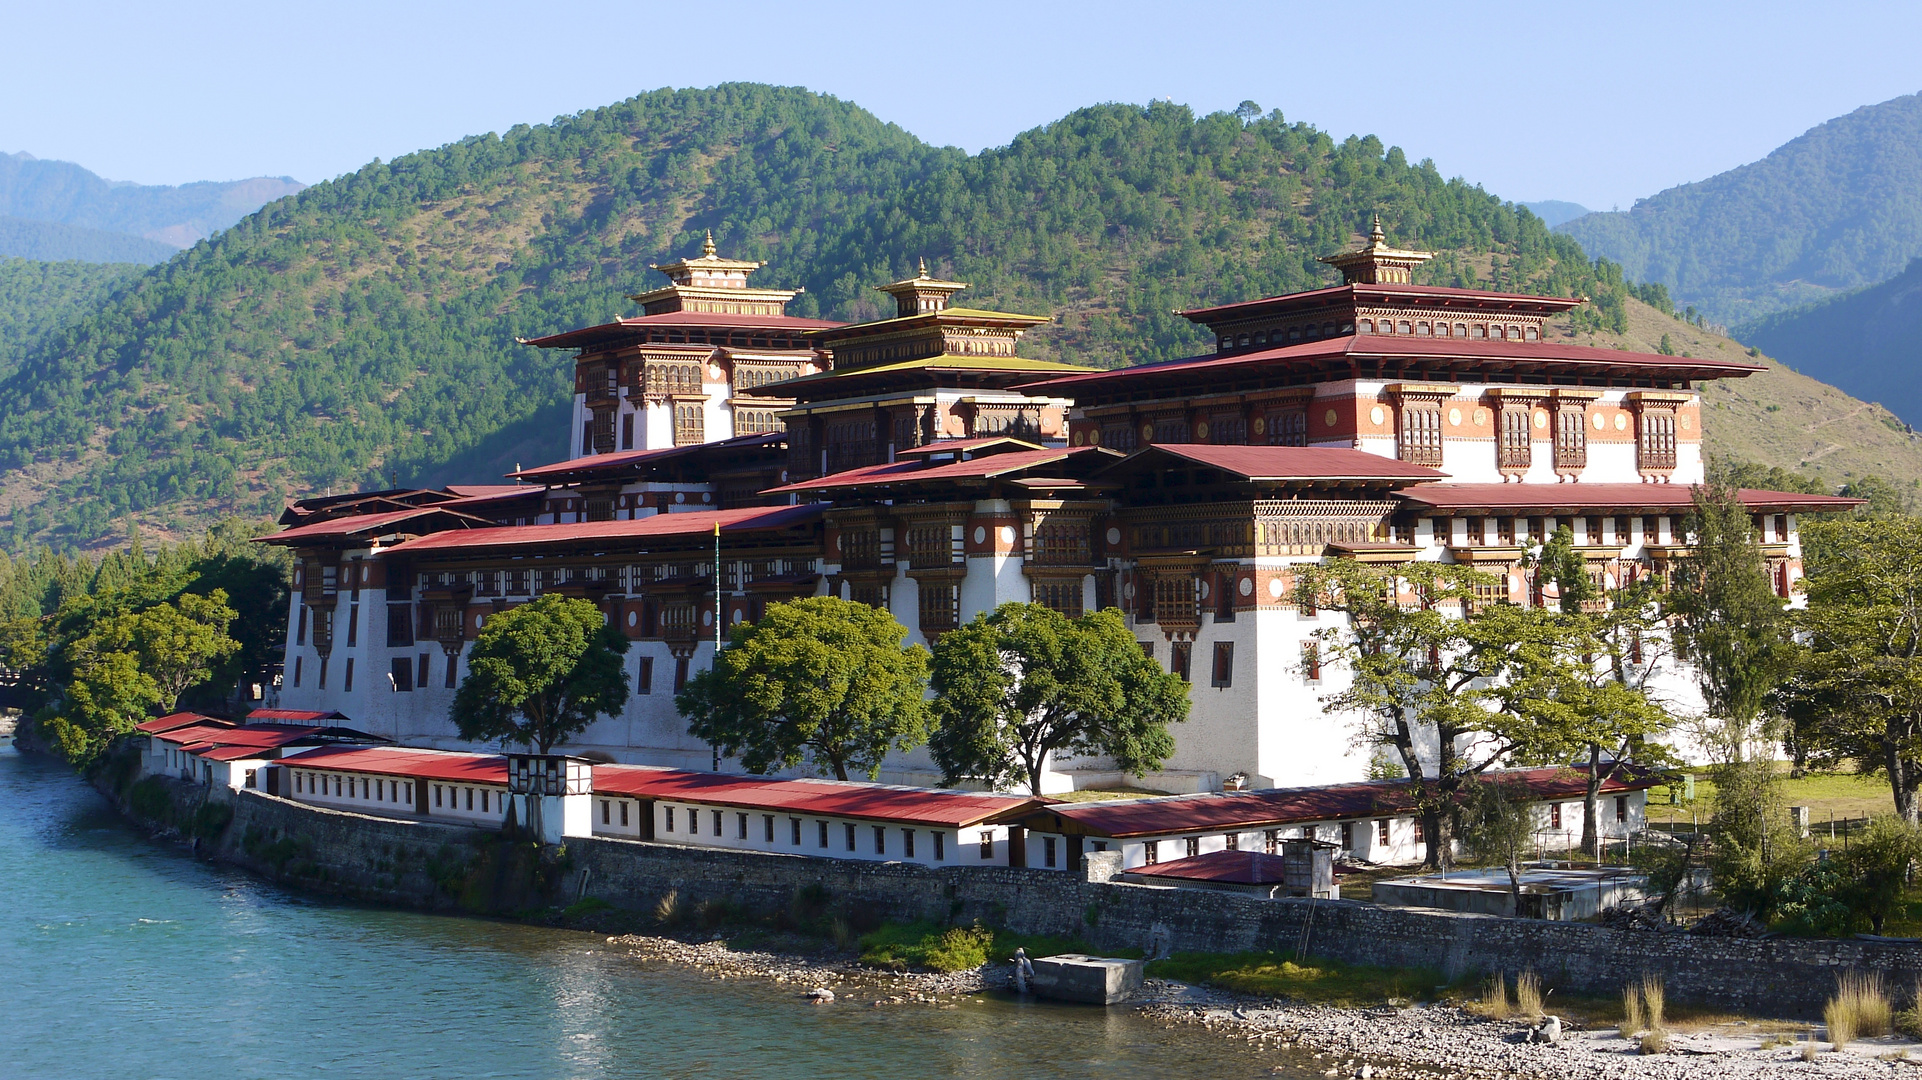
65	193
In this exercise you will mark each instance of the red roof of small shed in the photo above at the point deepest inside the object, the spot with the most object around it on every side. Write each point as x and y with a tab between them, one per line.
835	798
405	762
1227	867
173	721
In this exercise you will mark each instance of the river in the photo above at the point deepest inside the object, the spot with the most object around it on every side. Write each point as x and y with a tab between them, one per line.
122	958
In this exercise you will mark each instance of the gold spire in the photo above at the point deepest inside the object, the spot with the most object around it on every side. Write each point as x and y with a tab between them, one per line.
1376	263
707	246
924	266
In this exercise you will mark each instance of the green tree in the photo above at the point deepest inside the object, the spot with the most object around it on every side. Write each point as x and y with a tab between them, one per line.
1857	690
1022	684
1451	690
1877	865
821	678
540	673
1731	626
1499	826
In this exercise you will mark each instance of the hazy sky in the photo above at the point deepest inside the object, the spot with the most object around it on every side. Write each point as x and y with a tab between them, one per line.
1594	103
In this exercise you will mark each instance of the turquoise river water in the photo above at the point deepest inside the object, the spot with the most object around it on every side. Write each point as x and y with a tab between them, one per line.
122	958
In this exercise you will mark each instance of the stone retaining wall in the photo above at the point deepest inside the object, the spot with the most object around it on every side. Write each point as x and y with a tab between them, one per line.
437	866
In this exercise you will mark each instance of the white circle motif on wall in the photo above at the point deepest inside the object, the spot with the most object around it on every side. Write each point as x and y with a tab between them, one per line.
1683	421
1147	433
1274	588
1600	421
1201	430
1454	418
1247	586
1130	590
735	618
707	496
1078	437
1481	417
1261	425
714	371
1621	421
633	618
980	535
1114	535
680	496
1328	418
1094	437
707	618
1204	590
1541	419
480	621
1375	415
1007	534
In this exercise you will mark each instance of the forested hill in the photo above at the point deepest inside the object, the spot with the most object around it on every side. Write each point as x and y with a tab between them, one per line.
365	327
1868	342
38	298
1837	208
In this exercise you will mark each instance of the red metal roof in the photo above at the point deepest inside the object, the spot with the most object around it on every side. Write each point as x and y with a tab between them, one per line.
284	716
405	762
1396	346
172	721
689	523
921	470
1226	867
588	336
488	491
1378	293
196	733
360	524
1665	498
264	737
835	798
957	446
1287	806
596	463
1291	462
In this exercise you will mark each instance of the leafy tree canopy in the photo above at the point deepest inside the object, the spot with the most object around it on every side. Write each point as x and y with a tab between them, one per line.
818	678
540	673
1023	683
1731	626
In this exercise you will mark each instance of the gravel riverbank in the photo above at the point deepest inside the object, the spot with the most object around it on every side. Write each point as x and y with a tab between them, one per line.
1418	1042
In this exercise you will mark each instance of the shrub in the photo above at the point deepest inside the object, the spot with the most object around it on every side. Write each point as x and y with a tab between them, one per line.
1909	1020
667	910
1859	1009
586	905
149	802
1633	1019
1273	975
1654	1041
1494	1001
960	949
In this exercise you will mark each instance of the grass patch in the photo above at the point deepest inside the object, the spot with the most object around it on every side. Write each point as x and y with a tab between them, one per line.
585	906
1321	982
1859	1009
1105	794
925	946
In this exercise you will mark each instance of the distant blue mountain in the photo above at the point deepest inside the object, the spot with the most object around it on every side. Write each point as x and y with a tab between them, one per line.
1868	342
1553	212
62	193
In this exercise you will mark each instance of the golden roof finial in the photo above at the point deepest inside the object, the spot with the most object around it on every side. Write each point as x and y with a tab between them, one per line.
924	267
707	247
1377	236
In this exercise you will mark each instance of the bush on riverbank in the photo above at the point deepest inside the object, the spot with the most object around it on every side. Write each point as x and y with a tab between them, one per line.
1320	982
929	947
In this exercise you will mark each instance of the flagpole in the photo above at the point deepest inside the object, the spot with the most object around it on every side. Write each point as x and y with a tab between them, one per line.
717	618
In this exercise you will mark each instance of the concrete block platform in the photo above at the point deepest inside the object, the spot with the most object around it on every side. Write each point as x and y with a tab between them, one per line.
1094	980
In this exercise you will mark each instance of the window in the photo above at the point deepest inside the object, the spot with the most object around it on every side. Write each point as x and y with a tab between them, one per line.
740	832
1061	596
823	838
880	840
1228	429
680	674
1271	841
402	673
607	813
1311	661
644	676
353	626
587	437
623	815
1421	831
1179	655
1515	449
1047	852
717	821
1421	439
849	827
1288	428
767	827
297	666
941	605
1655	445
1224	673
693	822
1381	831
1151	852
794	837
1505	532
907	843
453	668
627	431
1554	815
1348	836
987	844
422	680
323	673
1231	842
1194	846
347	677
940	845
300	627
1571	437
688	424
1621	809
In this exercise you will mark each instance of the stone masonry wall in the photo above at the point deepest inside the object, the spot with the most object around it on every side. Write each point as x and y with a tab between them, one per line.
435	866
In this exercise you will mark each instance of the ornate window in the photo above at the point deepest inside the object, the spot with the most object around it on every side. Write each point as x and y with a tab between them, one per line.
873	594
1171	429
1288	428
1228	429
940	606
689	424
1119	435
1061	596
1062	544
861	549
1180	657
1421	432
1224	669
930	546
1571	437
755	421
1175	603
850	444
1515	451
1655	439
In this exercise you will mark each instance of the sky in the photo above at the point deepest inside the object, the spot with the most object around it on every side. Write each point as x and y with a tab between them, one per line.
1589	103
